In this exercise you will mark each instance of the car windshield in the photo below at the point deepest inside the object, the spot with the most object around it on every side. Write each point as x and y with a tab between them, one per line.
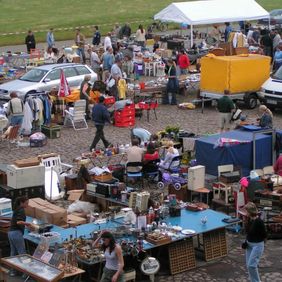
278	74
34	75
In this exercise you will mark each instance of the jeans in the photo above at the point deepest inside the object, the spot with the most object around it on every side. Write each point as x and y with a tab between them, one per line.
99	135
80	52
169	98
108	275
16	241
254	252
16	120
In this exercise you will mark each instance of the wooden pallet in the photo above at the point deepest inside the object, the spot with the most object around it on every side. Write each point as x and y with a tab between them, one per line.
181	256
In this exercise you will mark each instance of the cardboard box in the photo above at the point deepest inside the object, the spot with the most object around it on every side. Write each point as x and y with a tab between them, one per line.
75	220
47	212
30	210
75	195
39	201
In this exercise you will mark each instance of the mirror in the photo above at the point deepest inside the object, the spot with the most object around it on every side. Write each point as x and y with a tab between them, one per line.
47	80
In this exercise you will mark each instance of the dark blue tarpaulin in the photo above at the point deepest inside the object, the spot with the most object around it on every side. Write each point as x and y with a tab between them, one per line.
238	155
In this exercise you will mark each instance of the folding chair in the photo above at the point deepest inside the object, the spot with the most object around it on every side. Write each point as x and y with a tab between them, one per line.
12	136
77	115
137	174
151	171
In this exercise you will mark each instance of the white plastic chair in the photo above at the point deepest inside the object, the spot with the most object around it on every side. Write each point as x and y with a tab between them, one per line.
77	115
149	69
54	175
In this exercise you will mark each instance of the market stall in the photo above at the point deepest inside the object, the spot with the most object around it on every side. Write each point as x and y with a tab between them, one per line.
209	12
211	154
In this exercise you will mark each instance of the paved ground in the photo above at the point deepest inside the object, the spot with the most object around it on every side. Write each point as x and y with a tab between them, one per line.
230	268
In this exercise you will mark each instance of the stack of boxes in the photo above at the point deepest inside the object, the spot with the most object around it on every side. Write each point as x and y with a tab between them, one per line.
125	117
47	212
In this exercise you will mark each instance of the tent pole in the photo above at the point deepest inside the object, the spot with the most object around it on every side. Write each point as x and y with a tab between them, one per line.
191	30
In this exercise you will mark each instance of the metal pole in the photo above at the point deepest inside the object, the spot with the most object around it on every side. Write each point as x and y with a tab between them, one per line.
273	134
192	39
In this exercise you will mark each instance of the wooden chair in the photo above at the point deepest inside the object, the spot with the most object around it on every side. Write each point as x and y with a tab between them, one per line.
76	115
12	136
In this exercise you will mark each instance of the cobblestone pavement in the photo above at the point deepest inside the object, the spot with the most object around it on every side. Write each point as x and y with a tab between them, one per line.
231	268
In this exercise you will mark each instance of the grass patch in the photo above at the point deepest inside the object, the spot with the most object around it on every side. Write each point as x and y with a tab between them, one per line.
19	16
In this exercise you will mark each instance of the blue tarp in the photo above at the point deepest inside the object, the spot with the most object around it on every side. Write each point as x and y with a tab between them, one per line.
238	155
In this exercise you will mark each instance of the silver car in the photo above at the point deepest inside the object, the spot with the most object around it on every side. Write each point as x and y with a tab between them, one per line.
45	77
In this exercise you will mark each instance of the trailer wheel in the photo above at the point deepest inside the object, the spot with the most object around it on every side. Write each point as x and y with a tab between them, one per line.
251	100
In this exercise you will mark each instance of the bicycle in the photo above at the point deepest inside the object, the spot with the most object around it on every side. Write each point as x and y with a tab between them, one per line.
157	26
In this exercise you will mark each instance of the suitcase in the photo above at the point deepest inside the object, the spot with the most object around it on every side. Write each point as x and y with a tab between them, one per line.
27	162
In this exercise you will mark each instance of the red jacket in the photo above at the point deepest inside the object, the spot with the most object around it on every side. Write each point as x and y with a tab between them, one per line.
183	61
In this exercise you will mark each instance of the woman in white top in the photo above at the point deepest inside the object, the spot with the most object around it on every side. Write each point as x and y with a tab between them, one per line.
113	270
141	36
49	56
167	162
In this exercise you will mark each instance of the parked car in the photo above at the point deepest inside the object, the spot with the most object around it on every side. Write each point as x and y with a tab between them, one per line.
44	78
271	91
275	18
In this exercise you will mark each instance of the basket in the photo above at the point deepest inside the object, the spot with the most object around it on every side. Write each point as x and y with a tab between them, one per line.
158	242
105	177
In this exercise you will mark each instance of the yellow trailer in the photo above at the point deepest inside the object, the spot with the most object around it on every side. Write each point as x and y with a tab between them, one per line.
242	75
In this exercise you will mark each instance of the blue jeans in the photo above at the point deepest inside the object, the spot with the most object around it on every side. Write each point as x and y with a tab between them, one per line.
16	120
254	252
80	52
17	244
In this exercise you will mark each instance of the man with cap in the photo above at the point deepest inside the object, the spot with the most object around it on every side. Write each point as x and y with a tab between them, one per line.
100	116
85	88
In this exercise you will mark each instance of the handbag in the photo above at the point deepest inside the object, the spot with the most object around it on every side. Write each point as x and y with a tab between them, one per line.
244	245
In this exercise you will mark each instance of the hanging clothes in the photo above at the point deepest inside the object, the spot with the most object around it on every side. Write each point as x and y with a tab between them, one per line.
27	120
40	110
47	110
122	89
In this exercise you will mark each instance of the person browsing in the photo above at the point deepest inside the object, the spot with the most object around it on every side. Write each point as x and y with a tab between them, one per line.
100	116
17	228
113	270
225	106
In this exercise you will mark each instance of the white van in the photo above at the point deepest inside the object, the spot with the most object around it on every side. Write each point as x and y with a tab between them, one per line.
271	91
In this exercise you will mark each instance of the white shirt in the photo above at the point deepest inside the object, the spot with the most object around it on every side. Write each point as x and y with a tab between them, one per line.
107	42
140	37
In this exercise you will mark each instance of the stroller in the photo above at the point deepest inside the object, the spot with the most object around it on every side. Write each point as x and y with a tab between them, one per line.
172	178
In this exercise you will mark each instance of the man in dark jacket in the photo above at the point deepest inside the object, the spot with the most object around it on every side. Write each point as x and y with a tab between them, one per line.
96	37
100	116
30	41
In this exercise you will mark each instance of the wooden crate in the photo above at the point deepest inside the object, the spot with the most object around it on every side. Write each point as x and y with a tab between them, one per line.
215	244
159	242
181	256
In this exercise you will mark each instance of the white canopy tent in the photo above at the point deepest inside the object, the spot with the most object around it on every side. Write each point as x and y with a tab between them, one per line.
211	11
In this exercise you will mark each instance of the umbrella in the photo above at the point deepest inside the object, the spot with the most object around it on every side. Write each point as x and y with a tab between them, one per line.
64	89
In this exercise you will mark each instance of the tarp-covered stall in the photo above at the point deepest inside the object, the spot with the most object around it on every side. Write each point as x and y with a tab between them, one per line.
210	154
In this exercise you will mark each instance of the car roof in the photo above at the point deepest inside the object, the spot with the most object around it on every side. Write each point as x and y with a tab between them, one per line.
54	66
